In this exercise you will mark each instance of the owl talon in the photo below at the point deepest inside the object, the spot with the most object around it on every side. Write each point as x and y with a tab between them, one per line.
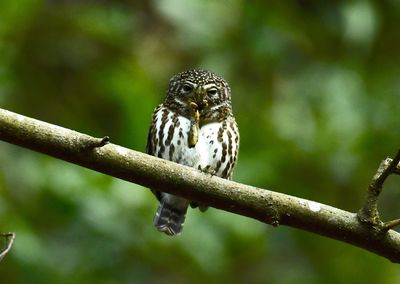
193	106
208	170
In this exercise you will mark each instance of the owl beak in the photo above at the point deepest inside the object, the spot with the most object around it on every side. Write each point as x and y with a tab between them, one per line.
200	98
198	95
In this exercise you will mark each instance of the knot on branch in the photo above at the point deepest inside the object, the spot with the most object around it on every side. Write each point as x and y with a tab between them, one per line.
369	213
89	143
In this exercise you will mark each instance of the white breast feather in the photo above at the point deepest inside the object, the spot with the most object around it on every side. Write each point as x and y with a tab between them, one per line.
203	153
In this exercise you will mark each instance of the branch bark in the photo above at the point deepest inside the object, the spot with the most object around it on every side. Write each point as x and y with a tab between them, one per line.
264	205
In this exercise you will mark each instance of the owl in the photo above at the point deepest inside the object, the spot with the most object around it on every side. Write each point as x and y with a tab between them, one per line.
194	126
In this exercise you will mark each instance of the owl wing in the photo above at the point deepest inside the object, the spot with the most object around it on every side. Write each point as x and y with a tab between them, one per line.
150	148
234	144
149	144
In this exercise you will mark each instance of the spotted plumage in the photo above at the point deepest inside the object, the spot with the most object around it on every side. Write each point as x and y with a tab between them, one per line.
194	126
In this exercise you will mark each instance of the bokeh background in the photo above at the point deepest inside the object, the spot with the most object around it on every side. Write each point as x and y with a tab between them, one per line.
316	94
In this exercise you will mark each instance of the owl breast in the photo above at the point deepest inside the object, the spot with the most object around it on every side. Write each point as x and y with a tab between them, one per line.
215	150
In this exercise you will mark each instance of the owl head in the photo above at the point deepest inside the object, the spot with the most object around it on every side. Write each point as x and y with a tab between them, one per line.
209	93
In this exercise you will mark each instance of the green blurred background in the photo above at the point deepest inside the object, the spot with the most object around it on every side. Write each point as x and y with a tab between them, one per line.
316	94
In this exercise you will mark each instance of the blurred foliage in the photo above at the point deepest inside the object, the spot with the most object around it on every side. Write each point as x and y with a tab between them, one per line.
315	92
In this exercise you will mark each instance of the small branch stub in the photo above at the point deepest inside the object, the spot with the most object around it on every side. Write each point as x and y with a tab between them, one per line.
90	143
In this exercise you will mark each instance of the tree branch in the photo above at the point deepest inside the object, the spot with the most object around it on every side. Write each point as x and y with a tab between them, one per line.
9	238
264	205
369	213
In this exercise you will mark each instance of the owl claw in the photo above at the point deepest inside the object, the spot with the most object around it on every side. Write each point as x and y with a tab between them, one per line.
193	105
208	170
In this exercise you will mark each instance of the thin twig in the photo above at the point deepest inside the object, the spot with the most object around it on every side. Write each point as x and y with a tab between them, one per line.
369	213
397	170
10	237
391	168
390	224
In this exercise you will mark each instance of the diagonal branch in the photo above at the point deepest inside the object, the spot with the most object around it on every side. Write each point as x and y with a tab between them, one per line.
369	213
9	238
264	205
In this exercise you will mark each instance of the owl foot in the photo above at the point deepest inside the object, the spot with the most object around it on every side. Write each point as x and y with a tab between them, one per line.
207	170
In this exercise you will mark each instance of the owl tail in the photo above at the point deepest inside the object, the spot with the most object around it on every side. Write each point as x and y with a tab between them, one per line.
170	219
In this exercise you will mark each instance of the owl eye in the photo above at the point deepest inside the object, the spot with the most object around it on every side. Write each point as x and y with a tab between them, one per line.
212	92
187	88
